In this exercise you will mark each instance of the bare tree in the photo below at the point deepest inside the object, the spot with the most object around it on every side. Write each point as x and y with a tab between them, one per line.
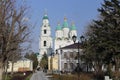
13	30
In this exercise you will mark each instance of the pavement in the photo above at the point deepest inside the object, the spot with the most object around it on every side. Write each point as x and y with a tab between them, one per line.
39	75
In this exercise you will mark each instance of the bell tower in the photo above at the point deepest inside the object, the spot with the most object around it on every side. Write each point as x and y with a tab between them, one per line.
45	43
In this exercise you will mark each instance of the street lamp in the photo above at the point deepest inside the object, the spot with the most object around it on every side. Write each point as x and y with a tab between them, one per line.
82	38
74	40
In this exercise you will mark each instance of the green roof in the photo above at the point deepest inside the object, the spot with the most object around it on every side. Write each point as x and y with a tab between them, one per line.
45	17
73	27
58	27
65	24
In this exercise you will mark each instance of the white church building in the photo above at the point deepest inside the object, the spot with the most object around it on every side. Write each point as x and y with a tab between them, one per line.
46	41
63	36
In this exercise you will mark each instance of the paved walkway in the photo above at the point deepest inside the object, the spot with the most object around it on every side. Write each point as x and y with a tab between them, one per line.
39	75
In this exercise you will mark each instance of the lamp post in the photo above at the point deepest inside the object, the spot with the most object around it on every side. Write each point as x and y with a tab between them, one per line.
74	40
82	38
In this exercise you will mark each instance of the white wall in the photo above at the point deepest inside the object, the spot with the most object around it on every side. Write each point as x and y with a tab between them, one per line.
20	64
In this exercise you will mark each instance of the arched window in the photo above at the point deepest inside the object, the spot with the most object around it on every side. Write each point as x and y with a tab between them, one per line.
44	25
45	43
45	31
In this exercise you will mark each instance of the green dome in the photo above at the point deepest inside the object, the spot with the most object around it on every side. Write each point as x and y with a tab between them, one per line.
45	17
73	27
65	24
58	27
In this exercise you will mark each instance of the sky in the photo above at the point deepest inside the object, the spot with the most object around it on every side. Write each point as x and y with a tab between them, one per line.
81	12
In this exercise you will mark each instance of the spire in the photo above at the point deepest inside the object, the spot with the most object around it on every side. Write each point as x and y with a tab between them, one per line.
58	23
65	24
65	19
72	23
45	12
45	15
73	27
58	26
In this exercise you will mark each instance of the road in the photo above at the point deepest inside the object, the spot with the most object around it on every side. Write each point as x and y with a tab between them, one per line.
39	75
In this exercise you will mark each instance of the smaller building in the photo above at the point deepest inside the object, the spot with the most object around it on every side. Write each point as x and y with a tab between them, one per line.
66	58
21	65
53	62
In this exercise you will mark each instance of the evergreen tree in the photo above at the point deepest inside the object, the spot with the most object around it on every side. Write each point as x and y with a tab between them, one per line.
44	62
103	42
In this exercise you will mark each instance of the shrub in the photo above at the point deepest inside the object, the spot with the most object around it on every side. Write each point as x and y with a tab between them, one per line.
20	76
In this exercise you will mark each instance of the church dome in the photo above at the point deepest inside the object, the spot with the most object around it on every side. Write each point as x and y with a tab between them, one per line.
73	27
45	16
58	27
65	24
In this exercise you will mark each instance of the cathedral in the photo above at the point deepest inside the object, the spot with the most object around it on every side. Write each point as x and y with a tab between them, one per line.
63	36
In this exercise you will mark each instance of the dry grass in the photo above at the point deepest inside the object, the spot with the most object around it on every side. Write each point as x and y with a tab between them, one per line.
73	77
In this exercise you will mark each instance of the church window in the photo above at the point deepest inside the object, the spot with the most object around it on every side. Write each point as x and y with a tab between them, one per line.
44	25
45	43
45	31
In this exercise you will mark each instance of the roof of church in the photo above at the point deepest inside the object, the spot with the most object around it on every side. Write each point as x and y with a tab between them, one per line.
58	27
73	27
45	16
72	46
65	24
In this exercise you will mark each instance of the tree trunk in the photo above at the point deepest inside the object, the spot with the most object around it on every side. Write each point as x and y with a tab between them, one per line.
6	67
117	64
1	71
109	71
12	68
98	71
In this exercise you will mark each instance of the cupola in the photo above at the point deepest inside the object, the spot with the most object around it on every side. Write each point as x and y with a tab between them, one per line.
58	27
65	24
